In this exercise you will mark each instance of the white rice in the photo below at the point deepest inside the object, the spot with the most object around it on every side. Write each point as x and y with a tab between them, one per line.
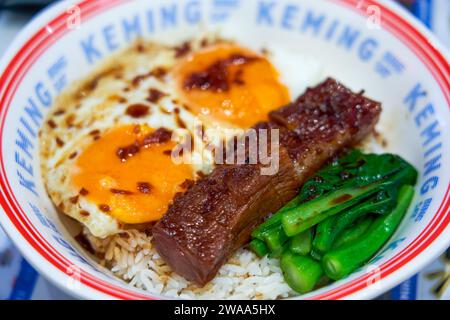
132	257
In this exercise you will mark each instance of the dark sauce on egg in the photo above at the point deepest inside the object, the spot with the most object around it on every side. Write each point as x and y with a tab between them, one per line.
216	77
137	110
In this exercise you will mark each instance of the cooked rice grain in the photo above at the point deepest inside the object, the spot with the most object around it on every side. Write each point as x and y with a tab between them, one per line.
134	259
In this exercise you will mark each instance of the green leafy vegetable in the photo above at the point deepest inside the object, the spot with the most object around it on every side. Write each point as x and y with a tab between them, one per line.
354	202
312	212
300	272
302	243
328	230
258	247
340	262
353	233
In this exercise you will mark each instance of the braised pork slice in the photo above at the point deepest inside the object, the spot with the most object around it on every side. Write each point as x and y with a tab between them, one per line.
215	216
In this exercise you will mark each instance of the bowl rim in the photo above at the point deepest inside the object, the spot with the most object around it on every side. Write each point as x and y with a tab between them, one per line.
50	263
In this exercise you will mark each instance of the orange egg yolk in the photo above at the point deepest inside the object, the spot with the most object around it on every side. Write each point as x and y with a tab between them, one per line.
136	188
230	84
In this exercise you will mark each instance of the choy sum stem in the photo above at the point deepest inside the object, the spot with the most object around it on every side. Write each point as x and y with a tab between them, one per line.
302	273
343	260
311	213
341	217
328	230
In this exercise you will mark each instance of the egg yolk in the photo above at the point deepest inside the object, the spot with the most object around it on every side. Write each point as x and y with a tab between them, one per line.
128	173
230	84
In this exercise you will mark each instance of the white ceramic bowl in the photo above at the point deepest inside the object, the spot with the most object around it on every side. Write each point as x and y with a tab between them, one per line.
370	44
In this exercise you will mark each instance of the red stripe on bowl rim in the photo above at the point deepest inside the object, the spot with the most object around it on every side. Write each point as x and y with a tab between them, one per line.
17	215
42	39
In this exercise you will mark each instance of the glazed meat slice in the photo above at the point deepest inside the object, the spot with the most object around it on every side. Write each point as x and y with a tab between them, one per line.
215	216
323	121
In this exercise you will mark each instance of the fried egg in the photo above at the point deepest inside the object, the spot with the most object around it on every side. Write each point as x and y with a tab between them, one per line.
230	84
106	146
